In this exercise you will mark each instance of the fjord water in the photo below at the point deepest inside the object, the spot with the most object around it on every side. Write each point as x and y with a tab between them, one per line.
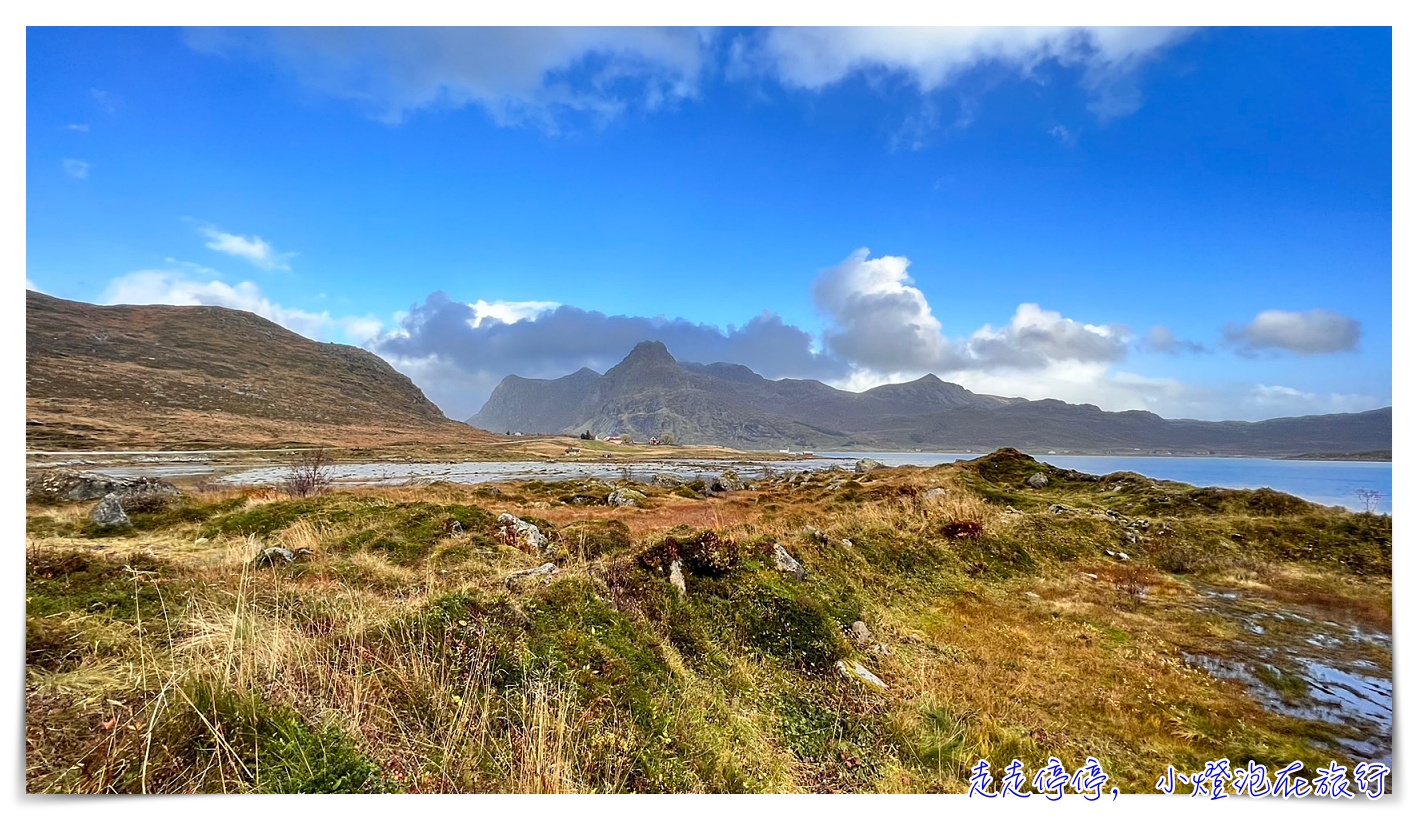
1324	482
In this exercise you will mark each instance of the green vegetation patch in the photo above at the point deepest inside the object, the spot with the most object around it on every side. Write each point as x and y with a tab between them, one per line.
76	581
274	750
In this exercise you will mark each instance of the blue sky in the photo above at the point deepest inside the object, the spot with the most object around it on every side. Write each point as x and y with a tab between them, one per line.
1194	222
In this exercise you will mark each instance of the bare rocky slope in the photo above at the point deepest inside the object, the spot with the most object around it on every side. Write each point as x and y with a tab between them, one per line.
651	394
163	377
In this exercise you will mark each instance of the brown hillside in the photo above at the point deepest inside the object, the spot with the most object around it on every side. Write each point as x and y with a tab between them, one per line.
137	377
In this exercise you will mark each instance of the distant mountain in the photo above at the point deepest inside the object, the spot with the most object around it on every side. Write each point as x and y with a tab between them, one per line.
157	376
651	394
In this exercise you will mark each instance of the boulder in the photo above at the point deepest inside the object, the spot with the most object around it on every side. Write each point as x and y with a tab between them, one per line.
934	492
1038	481
57	486
784	562
1060	509
625	497
518	532
666	480
855	671
859	633
727	482
109	513
866	465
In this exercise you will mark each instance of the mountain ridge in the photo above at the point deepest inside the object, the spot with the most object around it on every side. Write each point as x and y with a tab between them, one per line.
649	393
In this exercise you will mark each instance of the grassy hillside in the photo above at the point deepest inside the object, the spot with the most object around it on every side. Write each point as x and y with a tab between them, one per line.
140	377
393	654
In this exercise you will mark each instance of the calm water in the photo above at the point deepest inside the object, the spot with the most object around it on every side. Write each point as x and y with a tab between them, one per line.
1324	482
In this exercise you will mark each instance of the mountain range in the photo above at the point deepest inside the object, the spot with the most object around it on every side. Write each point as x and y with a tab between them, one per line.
651	394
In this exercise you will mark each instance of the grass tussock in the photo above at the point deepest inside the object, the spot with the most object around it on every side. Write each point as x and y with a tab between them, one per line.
392	654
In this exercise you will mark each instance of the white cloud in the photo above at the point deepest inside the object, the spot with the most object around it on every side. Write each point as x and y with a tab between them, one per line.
935	57
76	168
518	75
76	126
1307	333
1065	136
507	312
253	249
170	287
881	322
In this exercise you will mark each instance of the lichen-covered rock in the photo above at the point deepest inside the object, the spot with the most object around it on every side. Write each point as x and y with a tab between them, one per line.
110	513
727	482
666	480
934	492
625	497
784	562
866	465
518	532
855	671
859	633
1038	481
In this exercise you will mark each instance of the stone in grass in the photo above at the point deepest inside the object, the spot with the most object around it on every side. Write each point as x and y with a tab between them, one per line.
109	513
545	569
866	465
1038	481
625	498
934	492
784	562
273	556
855	671
518	531
677	576
859	632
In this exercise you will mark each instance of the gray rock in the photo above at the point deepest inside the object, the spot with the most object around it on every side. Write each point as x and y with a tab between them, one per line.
545	569
677	576
519	532
816	535
859	633
273	556
57	486
625	498
1038	481
866	465
1060	509
934	492
727	482
834	486
855	671
784	562
109	513
666	480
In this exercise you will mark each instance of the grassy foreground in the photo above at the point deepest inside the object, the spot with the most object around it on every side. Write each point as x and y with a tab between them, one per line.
394	656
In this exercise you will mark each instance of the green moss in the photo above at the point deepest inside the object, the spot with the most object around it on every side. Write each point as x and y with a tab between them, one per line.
74	581
594	539
278	752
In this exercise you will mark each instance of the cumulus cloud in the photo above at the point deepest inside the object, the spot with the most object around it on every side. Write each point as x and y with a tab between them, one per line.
76	168
880	321
253	249
173	287
1307	333
1064	135
1161	339
517	75
932	58
476	344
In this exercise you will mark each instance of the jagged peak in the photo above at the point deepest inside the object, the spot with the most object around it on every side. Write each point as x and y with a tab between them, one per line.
648	352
